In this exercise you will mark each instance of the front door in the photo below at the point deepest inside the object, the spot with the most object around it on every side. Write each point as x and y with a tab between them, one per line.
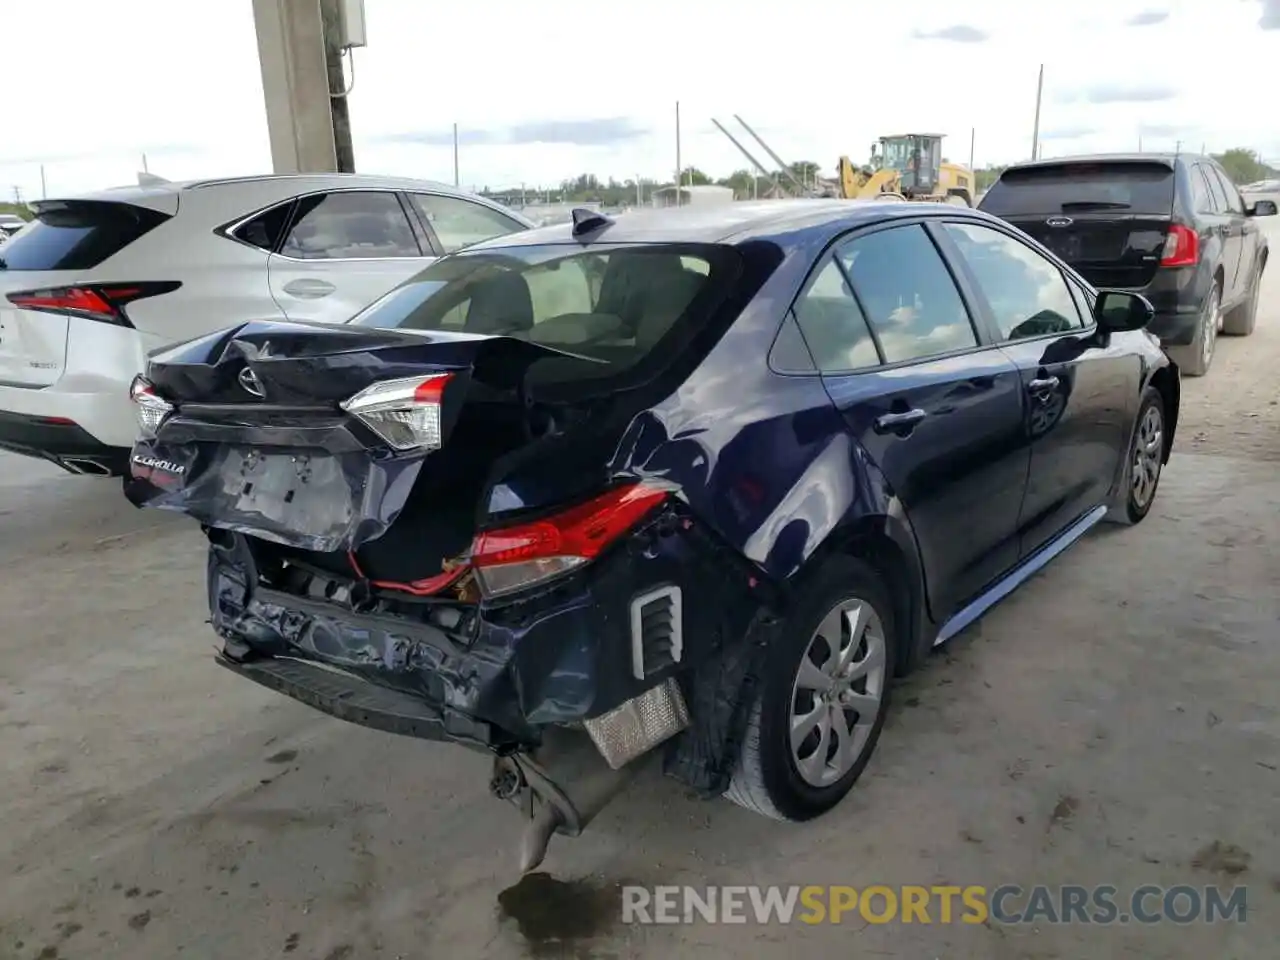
1078	390
939	414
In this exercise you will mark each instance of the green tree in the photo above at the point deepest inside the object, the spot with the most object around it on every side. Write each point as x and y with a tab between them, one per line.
693	177
19	208
1244	165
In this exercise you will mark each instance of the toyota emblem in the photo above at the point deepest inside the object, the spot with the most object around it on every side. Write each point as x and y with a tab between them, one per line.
1059	222
249	380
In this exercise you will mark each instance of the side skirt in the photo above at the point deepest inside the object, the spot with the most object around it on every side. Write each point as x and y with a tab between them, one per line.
966	616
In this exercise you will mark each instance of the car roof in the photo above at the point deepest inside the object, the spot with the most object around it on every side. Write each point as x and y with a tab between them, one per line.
729	222
1168	159
156	192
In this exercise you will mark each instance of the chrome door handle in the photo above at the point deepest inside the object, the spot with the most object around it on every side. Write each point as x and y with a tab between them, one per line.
309	289
904	421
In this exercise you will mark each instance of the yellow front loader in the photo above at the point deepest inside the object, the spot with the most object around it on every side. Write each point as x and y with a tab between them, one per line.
910	167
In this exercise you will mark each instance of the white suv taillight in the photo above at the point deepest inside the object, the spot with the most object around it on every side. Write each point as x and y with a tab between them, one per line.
405	413
152	408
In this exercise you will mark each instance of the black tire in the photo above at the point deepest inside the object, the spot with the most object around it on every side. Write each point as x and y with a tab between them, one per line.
1241	321
768	778
1194	359
1133	502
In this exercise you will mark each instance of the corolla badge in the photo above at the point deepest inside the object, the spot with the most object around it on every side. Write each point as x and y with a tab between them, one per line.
249	380
1059	222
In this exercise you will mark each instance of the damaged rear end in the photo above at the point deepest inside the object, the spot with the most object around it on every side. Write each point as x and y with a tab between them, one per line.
414	524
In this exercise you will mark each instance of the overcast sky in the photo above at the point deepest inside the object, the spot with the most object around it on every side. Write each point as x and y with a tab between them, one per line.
548	89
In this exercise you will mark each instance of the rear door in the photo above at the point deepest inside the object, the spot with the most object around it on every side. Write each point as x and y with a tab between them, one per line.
1238	240
939	413
342	251
66	244
1108	219
1078	391
455	222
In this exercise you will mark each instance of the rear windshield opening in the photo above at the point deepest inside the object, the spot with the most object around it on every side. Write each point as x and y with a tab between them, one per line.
1063	187
612	304
77	235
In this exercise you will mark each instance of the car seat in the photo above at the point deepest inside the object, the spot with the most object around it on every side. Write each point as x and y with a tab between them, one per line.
500	304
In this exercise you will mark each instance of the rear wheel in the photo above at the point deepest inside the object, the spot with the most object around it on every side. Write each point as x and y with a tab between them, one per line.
1144	464
823	699
1195	358
1241	321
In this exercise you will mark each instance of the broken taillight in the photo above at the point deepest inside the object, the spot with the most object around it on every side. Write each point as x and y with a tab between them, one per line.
151	407
405	413
513	558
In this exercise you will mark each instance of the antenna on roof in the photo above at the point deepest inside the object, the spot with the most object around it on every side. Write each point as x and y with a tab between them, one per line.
149	179
588	221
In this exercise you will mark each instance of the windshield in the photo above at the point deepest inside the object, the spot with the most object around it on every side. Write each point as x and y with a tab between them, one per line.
1137	187
611	304
897	154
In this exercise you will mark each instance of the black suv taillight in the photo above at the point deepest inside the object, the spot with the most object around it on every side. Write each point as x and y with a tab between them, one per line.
104	302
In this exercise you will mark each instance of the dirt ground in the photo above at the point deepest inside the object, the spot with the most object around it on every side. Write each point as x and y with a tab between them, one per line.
1116	722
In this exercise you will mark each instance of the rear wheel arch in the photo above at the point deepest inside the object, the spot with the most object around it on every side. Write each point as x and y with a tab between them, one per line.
870	541
1165	380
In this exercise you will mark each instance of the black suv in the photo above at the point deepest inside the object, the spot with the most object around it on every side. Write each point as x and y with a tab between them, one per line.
1172	227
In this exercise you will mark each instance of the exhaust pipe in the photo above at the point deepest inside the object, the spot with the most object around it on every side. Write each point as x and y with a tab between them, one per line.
563	784
560	788
84	467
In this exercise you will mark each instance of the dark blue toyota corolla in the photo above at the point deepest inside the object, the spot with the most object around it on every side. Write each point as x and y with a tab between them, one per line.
692	484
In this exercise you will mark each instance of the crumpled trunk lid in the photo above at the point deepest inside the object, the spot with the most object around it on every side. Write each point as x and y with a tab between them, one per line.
258	441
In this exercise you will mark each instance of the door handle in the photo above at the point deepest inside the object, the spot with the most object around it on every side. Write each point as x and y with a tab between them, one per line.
309	289
902	422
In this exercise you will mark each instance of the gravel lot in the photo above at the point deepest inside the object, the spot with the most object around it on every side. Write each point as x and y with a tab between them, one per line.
1116	721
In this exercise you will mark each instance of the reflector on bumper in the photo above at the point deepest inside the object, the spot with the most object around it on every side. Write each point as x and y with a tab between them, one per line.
637	726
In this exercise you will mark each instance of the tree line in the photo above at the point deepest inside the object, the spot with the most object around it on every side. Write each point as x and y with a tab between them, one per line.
1241	164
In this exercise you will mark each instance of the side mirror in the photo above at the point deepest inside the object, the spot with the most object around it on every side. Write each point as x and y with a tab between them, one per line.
1117	311
1261	208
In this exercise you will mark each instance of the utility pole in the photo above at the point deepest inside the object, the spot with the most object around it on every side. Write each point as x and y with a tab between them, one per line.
331	16
679	168
44	190
17	194
973	139
455	155
1035	133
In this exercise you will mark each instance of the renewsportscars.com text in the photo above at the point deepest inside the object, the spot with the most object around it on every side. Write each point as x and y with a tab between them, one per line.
1007	904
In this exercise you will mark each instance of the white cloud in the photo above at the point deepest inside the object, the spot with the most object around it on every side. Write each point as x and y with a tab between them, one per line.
126	79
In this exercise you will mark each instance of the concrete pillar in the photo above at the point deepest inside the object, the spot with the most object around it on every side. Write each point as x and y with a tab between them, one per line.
295	83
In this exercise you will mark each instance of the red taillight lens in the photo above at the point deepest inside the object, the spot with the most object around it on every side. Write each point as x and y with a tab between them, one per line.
1181	247
101	302
405	413
517	557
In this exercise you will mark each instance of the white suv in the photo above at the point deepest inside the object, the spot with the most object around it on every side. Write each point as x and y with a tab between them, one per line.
100	280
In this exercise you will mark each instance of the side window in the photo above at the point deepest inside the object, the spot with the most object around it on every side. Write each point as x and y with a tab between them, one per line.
833	325
1201	197
459	223
264	230
1085	302
1027	293
1215	188
907	294
1234	203
562	290
350	225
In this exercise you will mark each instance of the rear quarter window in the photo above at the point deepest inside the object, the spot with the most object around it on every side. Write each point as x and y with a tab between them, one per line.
1064	187
77	235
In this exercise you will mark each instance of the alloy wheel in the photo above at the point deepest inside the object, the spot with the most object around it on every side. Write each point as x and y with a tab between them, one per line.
837	693
1148	456
1212	324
